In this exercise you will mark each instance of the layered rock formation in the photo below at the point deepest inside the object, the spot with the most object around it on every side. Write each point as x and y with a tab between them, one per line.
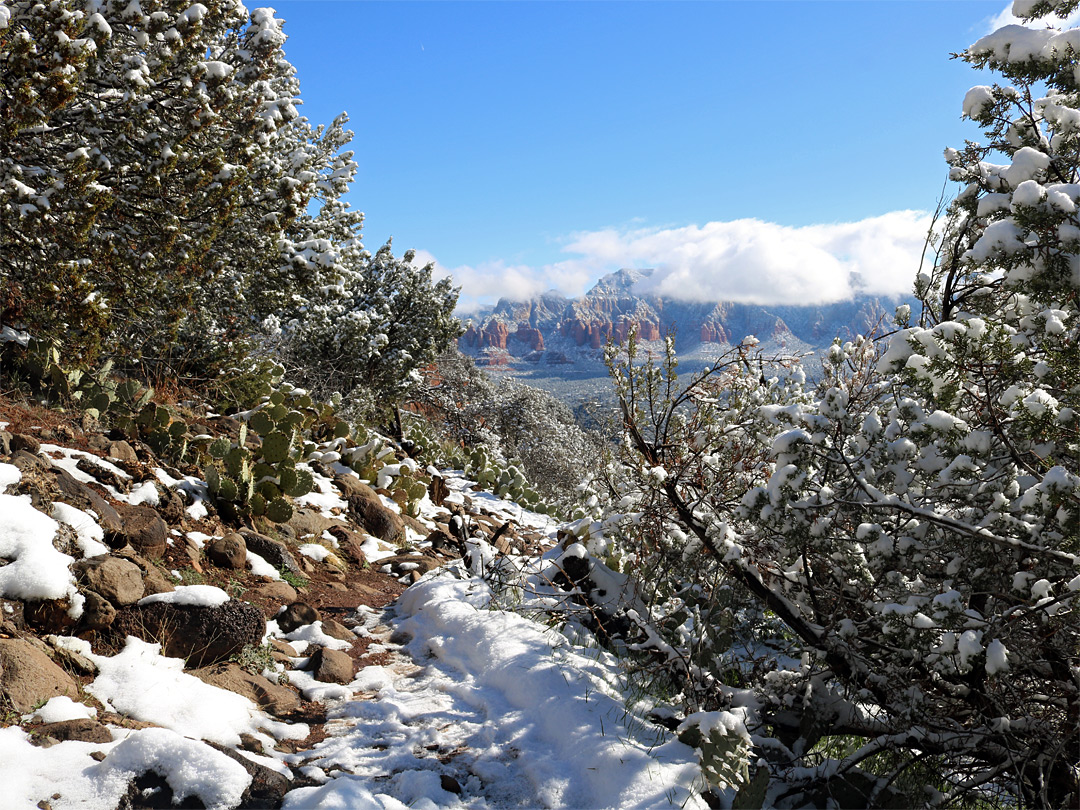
549	329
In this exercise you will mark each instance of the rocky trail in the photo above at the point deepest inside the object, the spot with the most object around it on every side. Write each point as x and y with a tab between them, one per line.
153	655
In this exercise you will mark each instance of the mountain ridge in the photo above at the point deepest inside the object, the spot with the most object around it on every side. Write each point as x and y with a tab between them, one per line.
554	330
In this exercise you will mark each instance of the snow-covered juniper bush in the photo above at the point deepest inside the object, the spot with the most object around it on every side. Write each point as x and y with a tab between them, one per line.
913	522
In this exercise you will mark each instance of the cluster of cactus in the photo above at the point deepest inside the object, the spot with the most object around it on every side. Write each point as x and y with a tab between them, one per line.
408	490
93	392
368	459
257	481
127	403
509	483
155	425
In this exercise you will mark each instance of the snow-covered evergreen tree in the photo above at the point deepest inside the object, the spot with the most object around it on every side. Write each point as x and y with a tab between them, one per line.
915	522
156	173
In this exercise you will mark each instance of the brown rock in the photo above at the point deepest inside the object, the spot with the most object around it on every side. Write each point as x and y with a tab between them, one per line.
118	580
83	729
332	666
229	551
24	441
171	507
438	490
199	634
336	629
28	677
283	647
267	695
98	612
79	495
309	523
122	451
279	591
403	563
142	529
155	581
5	443
350	544
296	615
376	518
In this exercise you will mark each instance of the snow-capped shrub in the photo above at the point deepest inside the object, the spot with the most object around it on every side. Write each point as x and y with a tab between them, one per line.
913	522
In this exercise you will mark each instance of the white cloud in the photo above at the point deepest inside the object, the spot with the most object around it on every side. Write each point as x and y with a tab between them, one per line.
1006	17
746	260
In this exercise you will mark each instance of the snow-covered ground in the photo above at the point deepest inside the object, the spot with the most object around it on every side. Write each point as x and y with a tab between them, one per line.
480	707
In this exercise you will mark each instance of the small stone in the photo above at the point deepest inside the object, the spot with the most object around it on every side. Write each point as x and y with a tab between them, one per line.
296	615
332	666
24	441
118	580
449	783
97	756
336	629
122	451
229	551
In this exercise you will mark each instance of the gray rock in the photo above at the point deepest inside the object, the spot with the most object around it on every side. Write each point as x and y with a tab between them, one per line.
275	553
28	677
118	580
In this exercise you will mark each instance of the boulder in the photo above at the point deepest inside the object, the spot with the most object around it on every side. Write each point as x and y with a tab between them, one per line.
274	552
28	677
366	506
118	580
200	634
142	528
296	615
266	694
229	551
332	666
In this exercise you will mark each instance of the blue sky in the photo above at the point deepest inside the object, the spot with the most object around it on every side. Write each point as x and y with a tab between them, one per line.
758	151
